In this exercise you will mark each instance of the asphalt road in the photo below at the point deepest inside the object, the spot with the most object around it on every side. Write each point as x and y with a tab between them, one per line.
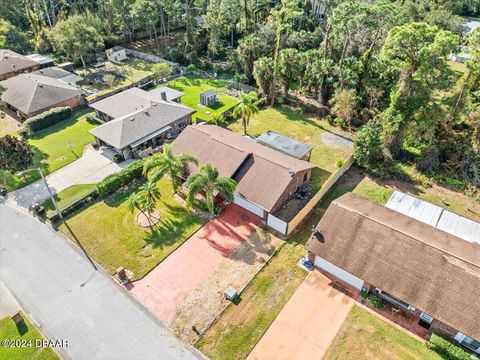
69	300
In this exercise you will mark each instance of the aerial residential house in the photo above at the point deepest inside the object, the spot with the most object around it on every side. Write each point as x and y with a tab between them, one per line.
267	179
208	97
12	64
416	256
137	121
32	94
170	94
116	54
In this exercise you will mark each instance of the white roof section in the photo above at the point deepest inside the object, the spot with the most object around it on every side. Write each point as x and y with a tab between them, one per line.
40	59
172	94
435	216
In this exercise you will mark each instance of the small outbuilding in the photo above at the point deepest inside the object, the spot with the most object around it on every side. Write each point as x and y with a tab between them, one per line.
116	54
168	94
208	97
42	61
285	145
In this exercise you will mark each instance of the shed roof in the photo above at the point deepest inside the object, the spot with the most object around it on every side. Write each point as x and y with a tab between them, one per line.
430	269
284	144
209	92
172	94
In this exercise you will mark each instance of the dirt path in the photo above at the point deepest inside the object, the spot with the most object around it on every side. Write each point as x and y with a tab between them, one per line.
206	302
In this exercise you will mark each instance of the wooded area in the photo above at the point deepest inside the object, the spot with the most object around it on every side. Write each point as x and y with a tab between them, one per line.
379	68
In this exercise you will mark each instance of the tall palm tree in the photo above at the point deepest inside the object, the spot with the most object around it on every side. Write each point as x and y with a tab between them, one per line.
145	200
208	181
164	163
246	108
136	202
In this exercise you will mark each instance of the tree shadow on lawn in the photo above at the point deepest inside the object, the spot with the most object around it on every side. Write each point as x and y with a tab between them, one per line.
172	227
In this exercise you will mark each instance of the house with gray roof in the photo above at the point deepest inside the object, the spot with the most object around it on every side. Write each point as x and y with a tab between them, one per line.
12	64
32	94
138	121
59	74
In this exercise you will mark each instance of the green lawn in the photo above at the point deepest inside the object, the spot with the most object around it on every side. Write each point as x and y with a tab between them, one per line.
299	127
54	148
365	336
108	232
68	195
131	71
8	330
192	86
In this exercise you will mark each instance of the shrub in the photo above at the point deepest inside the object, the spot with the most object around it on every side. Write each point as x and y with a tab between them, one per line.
340	122
117	158
340	163
115	181
48	118
368	146
25	133
447	349
191	68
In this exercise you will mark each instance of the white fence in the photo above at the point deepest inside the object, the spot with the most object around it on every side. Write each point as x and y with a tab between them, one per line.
277	224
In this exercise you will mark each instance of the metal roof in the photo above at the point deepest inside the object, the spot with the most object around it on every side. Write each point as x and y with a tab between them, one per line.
40	59
284	144
435	216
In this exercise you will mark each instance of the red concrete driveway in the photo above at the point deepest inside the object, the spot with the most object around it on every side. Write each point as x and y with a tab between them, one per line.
307	324
168	284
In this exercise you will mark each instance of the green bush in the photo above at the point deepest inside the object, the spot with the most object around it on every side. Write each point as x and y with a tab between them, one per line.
191	68
115	181
447	349
340	163
48	118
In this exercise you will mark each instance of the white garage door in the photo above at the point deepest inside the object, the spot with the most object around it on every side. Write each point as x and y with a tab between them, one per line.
248	205
339	273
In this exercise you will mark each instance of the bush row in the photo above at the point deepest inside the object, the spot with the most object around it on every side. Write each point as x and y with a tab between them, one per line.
48	118
115	181
447	349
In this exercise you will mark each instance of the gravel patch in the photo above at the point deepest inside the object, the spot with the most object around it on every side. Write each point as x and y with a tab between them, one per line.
339	140
207	301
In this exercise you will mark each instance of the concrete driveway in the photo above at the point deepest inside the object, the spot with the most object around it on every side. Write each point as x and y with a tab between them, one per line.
167	285
69	298
308	323
91	168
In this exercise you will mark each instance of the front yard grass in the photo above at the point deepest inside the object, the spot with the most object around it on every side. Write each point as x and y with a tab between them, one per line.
108	232
54	147
8	330
365	336
193	85
302	128
68	195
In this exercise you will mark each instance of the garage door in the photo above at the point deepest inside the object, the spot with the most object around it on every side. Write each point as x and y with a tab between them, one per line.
248	205
339	273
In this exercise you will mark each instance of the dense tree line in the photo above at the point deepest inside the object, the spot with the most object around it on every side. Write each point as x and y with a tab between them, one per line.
379	67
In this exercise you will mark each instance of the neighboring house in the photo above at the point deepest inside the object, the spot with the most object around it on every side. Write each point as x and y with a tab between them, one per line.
116	54
141	121
42	61
267	179
32	94
208	97
59	74
12	64
412	265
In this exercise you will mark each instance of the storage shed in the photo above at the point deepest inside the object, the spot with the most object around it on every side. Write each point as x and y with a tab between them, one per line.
208	97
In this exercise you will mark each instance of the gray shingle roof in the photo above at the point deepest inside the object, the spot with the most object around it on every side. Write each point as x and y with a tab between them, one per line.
32	92
10	61
126	130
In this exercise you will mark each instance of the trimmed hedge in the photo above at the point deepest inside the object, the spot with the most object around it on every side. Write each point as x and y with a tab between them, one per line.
48	118
115	181
447	349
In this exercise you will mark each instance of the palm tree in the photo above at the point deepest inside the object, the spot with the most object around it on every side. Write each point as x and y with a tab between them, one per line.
136	202
208	181
164	163
145	200
246	108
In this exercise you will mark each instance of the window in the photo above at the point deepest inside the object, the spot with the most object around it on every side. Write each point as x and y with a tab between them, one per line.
470	343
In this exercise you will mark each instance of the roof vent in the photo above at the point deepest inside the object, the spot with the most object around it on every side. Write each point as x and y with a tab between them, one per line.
132	119
163	95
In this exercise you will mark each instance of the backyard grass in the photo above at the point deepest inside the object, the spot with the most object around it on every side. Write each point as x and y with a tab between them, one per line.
192	86
365	336
8	330
55	147
299	127
68	195
108	232
8	125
